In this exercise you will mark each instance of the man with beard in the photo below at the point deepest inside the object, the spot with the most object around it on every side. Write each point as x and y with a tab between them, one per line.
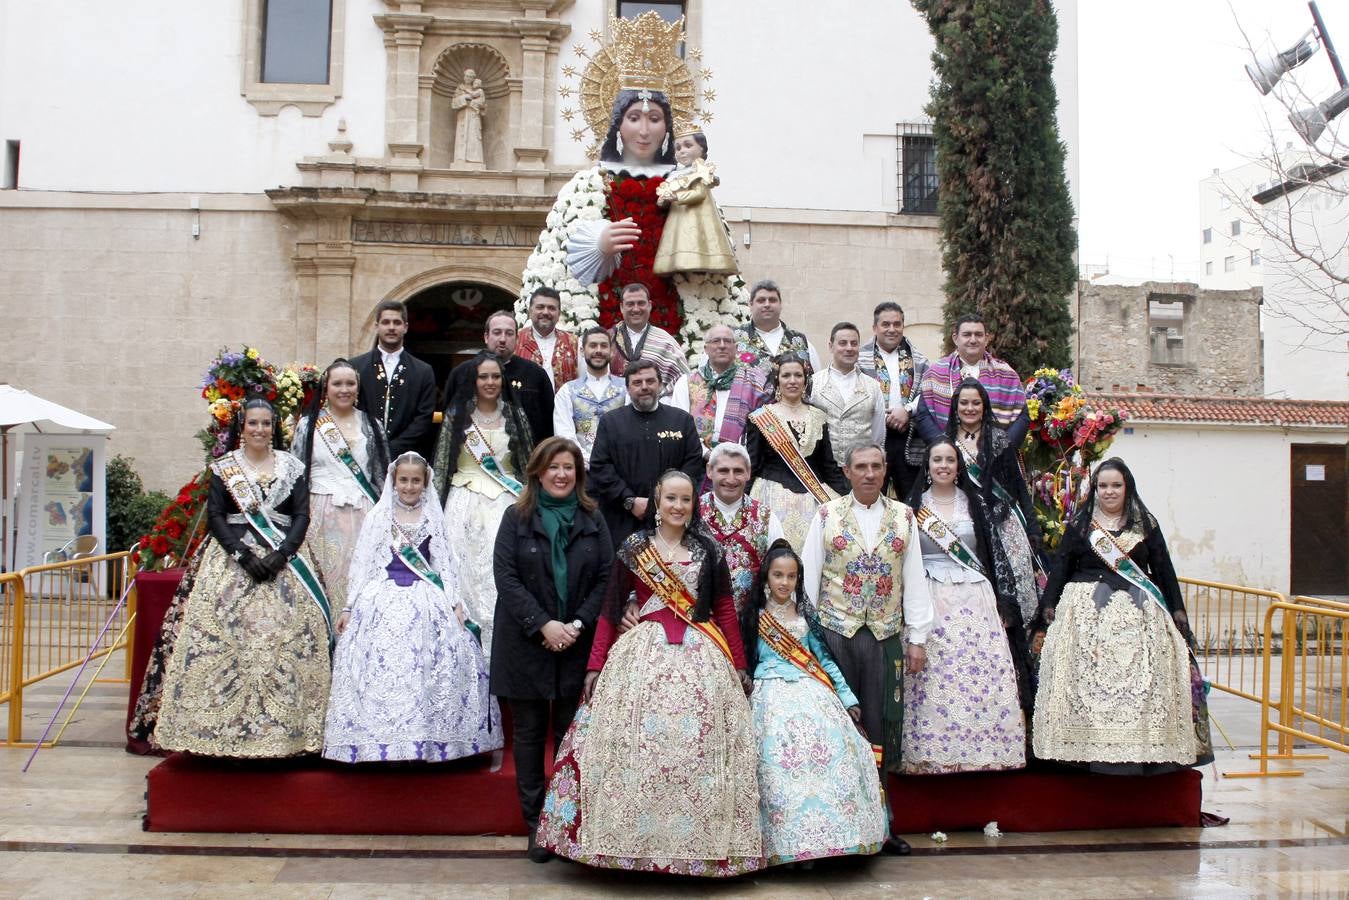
581	402
634	446
398	390
528	382
543	344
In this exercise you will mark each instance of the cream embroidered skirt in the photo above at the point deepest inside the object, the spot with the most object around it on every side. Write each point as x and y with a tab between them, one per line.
248	676
1115	682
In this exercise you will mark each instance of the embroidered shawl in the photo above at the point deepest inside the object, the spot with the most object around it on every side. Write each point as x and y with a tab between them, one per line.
564	354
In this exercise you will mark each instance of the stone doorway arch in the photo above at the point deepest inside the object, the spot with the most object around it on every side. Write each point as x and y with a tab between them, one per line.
446	322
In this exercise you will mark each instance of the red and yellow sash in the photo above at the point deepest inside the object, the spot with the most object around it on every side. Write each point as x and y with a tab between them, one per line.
786	645
666	585
779	437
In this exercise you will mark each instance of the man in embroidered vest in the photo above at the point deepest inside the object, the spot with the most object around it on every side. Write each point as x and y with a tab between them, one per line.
636	338
864	578
898	367
721	393
971	360
398	390
743	527
853	404
543	344
766	335
530	384
634	446
582	401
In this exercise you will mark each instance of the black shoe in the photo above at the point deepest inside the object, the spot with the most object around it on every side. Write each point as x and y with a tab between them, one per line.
894	846
536	853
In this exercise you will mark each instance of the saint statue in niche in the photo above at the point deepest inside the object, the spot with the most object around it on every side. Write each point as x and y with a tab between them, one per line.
469	100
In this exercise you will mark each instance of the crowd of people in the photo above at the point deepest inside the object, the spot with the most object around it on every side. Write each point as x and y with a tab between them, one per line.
737	595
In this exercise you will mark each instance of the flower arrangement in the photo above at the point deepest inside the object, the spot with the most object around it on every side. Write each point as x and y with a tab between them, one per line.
696	302
232	376
1067	434
178	530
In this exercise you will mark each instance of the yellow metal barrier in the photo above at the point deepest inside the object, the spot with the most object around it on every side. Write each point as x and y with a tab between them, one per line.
49	617
1307	698
1226	620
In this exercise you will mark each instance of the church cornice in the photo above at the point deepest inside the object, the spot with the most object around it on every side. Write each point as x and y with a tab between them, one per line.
309	202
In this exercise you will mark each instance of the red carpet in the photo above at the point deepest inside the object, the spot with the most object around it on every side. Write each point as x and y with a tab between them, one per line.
310	796
1043	801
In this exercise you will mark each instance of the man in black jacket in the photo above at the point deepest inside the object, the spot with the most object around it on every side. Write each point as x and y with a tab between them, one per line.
398	390
530	384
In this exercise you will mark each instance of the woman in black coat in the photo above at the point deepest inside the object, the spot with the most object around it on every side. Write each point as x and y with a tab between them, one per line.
551	563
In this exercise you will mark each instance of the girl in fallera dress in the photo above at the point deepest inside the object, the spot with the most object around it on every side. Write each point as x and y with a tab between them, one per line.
966	710
409	679
345	456
657	772
819	789
248	673
791	462
480	457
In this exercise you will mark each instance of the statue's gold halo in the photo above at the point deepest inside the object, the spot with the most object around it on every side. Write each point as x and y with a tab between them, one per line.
600	81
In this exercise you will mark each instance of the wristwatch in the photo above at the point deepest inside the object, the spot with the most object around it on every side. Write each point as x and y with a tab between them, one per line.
578	624
627	504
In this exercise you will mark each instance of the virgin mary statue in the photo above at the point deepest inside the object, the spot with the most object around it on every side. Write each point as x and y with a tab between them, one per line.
605	227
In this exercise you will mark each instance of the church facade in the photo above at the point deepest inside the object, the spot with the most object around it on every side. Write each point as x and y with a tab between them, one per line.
264	172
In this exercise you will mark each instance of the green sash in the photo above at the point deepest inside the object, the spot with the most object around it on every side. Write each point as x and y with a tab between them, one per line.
420	567
482	452
976	475
249	499
332	436
945	537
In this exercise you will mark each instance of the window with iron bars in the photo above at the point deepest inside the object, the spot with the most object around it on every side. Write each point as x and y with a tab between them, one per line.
916	155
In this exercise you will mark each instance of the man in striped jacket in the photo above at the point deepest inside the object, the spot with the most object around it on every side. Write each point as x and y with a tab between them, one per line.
971	360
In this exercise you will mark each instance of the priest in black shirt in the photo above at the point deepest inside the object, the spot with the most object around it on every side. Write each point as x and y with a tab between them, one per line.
530	383
634	446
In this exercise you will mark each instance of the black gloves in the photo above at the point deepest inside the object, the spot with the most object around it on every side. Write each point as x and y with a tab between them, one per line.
256	568
274	563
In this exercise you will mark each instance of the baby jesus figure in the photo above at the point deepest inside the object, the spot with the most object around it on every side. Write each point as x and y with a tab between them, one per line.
695	237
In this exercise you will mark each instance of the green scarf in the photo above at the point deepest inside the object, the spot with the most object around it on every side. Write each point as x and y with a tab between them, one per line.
558	515
717	382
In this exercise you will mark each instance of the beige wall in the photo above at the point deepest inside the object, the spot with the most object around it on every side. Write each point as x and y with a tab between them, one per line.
116	312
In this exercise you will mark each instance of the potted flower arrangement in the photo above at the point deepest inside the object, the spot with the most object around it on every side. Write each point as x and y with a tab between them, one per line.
1067	434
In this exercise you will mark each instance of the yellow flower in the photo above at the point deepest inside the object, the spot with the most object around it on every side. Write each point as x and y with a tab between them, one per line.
1033	408
251	353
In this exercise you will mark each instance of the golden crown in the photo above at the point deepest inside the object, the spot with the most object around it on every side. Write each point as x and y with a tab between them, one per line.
643	49
641	54
685	127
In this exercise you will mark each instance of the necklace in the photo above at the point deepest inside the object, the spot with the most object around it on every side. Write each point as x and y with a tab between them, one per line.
667	552
486	421
259	475
1111	523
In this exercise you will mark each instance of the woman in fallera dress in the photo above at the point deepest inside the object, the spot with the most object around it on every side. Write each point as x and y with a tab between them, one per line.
657	772
965	711
248	674
819	789
791	462
1120	691
345	456
990	456
480	457
409	679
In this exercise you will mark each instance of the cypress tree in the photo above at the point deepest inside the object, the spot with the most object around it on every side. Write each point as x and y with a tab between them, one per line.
1006	214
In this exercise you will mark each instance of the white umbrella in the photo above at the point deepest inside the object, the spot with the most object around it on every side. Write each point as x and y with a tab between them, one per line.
22	412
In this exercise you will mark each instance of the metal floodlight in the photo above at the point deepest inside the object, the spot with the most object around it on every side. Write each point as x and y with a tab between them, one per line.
1266	71
1310	122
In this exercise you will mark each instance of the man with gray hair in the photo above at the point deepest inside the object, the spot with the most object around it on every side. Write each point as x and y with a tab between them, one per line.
766	335
864	575
721	393
743	527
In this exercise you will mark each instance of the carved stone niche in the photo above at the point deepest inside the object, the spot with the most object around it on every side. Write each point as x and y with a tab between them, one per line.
447	73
